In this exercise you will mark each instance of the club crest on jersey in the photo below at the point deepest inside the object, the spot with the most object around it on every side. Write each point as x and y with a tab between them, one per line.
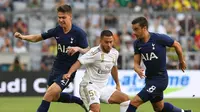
153	46
57	37
71	40
149	56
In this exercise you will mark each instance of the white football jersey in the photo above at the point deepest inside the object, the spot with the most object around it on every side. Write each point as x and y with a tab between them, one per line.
98	65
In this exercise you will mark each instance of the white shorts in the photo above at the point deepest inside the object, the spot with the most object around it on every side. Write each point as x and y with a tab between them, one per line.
90	93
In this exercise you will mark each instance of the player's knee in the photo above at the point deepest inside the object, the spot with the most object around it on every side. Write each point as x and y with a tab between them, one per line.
126	98
136	101
157	109
56	97
95	107
48	97
51	95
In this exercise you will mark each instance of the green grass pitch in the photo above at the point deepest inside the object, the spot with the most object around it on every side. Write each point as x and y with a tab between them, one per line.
30	104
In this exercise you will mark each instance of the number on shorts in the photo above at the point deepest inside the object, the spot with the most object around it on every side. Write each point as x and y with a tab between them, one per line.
91	93
151	89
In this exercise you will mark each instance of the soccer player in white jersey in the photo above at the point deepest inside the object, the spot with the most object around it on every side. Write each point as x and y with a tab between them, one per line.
99	62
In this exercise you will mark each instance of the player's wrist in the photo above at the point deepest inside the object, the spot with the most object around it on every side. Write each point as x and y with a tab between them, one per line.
181	62
21	37
79	49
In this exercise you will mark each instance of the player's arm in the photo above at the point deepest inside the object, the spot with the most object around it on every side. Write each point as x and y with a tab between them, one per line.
83	50
73	50
73	68
179	52
114	73
30	38
137	68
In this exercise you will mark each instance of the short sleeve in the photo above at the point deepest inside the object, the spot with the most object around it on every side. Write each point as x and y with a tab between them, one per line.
165	40
50	33
87	58
83	42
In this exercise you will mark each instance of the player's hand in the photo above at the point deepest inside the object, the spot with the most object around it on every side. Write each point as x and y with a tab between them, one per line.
18	35
66	76
141	73
72	50
182	66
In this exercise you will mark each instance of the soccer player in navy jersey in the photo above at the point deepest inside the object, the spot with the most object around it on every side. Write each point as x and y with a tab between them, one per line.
71	40
151	48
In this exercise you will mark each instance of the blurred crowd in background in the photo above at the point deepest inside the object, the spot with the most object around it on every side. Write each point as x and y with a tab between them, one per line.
179	19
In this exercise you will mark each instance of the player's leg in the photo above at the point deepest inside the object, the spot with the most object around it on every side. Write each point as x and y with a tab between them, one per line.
66	97
52	92
162	106
156	98
90	96
134	104
113	96
139	99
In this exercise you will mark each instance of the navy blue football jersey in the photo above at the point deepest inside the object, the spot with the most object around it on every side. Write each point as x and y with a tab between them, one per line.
75	37
153	53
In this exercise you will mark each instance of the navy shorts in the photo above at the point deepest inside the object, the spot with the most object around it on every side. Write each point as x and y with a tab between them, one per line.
153	90
57	77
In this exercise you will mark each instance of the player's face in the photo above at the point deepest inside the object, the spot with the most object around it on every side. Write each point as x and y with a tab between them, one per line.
64	19
106	43
138	31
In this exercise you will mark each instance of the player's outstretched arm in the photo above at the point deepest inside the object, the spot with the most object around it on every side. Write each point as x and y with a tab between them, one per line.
179	52
73	50
73	68
114	73
137	68
30	38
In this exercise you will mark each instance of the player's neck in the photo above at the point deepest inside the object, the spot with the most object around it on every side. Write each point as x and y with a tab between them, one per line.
67	29
146	37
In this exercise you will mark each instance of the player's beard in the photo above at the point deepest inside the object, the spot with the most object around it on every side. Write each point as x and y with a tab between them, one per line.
106	50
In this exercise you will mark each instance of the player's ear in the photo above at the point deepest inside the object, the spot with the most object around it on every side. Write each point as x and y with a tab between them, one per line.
70	15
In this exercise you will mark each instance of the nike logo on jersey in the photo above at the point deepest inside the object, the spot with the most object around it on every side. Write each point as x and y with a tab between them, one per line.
57	37
139	48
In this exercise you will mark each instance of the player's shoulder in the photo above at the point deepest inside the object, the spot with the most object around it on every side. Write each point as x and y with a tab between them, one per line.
94	50
57	28
77	29
54	29
157	35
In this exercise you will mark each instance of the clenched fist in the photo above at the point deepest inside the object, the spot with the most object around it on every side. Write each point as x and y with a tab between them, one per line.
18	35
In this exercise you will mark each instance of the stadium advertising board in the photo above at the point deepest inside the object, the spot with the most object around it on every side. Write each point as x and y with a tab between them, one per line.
25	84
181	85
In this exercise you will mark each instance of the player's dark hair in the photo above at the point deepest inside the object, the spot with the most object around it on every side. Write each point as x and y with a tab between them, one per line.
142	21
106	33
65	9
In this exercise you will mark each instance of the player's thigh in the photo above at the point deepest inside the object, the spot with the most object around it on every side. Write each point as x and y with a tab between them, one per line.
52	92
89	94
118	97
158	106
